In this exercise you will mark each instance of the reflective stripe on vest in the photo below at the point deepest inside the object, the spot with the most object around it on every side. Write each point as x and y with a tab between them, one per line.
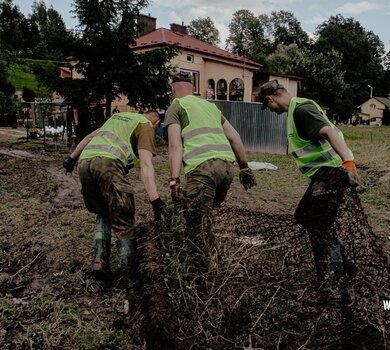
320	160
206	148
203	137
309	148
125	156
200	131
113	140
305	150
308	155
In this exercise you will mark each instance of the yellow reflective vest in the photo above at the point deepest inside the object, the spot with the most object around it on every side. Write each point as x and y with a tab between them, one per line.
311	155
203	137
113	139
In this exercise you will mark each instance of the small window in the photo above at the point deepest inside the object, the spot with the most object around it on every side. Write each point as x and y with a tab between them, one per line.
190	58
373	106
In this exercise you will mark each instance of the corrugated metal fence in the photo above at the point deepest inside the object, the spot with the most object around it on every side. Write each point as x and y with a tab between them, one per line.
260	131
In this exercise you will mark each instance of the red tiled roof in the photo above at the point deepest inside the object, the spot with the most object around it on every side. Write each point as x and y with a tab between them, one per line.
165	36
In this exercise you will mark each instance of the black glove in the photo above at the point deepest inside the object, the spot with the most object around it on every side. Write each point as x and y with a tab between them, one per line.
69	164
247	178
176	192
158	208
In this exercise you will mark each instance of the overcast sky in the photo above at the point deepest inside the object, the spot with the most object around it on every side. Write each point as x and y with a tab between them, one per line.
372	15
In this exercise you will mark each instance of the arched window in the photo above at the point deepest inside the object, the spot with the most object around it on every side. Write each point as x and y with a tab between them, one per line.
236	90
222	89
210	91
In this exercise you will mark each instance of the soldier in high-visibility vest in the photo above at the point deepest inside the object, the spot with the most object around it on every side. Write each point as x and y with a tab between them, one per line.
105	157
323	157
206	145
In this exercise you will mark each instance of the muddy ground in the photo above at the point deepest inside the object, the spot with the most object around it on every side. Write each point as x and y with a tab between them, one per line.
49	300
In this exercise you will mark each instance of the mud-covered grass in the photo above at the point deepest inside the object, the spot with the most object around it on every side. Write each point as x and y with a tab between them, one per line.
49	300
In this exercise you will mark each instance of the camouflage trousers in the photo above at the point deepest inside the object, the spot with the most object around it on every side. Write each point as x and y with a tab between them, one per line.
206	187
321	211
107	191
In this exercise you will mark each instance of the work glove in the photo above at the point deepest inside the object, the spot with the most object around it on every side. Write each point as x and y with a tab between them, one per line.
158	208
176	192
69	164
247	178
350	167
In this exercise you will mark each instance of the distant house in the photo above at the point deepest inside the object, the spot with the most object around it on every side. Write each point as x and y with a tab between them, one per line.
218	74
375	111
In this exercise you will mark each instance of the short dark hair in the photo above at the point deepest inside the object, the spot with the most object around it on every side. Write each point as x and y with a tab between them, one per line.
182	77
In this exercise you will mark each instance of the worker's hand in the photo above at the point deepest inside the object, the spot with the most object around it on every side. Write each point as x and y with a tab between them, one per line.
69	164
350	166
158	208
247	178
176	192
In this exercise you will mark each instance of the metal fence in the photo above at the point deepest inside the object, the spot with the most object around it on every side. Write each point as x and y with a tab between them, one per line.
260	131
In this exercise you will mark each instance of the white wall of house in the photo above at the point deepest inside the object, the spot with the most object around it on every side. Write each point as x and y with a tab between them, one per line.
372	110
289	84
216	70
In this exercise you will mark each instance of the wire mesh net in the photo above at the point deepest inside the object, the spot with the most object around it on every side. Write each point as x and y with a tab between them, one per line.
263	287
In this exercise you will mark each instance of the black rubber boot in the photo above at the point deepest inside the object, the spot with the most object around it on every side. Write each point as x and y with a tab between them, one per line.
127	262
102	248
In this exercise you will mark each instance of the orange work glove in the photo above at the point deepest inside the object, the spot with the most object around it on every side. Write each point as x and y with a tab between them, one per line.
350	165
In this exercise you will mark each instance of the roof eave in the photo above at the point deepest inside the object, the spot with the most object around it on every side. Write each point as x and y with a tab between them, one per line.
248	64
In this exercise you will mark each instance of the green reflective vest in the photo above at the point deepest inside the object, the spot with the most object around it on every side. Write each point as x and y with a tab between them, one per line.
203	137
310	155
113	139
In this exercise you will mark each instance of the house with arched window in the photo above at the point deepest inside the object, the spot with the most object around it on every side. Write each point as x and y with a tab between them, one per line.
217	74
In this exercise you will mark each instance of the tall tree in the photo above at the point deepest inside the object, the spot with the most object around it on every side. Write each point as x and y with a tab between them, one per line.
50	36
205	30
246	36
11	22
105	56
284	28
323	77
7	90
361	53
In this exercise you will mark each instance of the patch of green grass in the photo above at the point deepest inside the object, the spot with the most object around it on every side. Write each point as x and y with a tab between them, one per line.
47	322
21	76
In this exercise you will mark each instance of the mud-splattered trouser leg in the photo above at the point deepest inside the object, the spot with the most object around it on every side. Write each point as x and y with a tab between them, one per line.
107	192
317	212
206	186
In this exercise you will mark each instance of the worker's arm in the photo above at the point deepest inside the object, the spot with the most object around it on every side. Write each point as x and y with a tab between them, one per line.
247	178
70	163
83	143
147	173
336	142
339	145
175	149
235	141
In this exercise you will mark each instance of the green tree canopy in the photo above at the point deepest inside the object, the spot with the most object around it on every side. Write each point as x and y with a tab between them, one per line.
11	24
205	30
246	36
284	28
361	53
48	33
106	58
323	77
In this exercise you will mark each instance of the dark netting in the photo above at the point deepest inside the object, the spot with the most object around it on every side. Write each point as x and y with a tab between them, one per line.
263	285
